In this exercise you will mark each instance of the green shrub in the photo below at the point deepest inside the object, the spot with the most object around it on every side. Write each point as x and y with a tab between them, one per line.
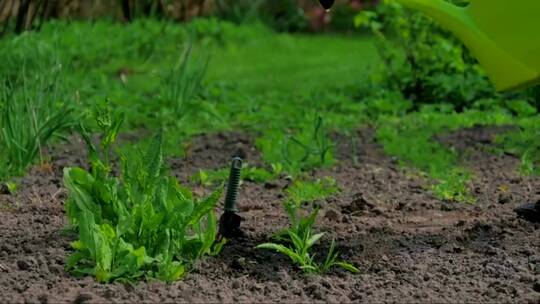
421	61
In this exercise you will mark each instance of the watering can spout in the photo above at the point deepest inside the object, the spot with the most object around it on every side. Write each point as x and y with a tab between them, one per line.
507	50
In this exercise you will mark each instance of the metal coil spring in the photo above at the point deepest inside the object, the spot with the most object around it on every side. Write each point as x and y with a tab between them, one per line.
234	184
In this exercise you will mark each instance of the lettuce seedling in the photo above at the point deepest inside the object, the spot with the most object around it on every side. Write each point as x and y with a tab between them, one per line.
299	237
139	225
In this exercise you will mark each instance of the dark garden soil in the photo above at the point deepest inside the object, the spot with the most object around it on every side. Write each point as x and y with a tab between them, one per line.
409	246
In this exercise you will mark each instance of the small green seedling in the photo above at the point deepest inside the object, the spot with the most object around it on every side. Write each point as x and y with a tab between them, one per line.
299	237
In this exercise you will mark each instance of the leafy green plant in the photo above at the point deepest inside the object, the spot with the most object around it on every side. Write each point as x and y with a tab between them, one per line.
299	237
141	224
31	114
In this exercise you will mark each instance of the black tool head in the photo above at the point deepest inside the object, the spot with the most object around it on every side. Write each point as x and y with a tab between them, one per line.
229	225
4	189
327	4
529	212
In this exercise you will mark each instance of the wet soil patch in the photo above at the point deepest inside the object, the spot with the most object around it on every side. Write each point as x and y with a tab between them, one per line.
409	246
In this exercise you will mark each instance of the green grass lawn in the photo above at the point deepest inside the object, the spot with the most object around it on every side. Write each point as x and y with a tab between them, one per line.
293	63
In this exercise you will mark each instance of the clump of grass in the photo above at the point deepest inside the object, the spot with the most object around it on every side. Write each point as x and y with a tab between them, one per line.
182	86
297	240
31	114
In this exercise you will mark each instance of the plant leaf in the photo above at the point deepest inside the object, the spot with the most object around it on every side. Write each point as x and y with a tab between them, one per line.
313	239
347	266
281	249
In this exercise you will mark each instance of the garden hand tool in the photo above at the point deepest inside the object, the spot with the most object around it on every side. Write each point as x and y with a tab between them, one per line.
229	222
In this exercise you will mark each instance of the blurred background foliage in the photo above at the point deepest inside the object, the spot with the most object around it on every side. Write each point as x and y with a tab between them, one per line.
420	63
283	15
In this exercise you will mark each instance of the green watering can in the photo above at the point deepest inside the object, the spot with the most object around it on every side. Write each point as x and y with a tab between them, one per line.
504	35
